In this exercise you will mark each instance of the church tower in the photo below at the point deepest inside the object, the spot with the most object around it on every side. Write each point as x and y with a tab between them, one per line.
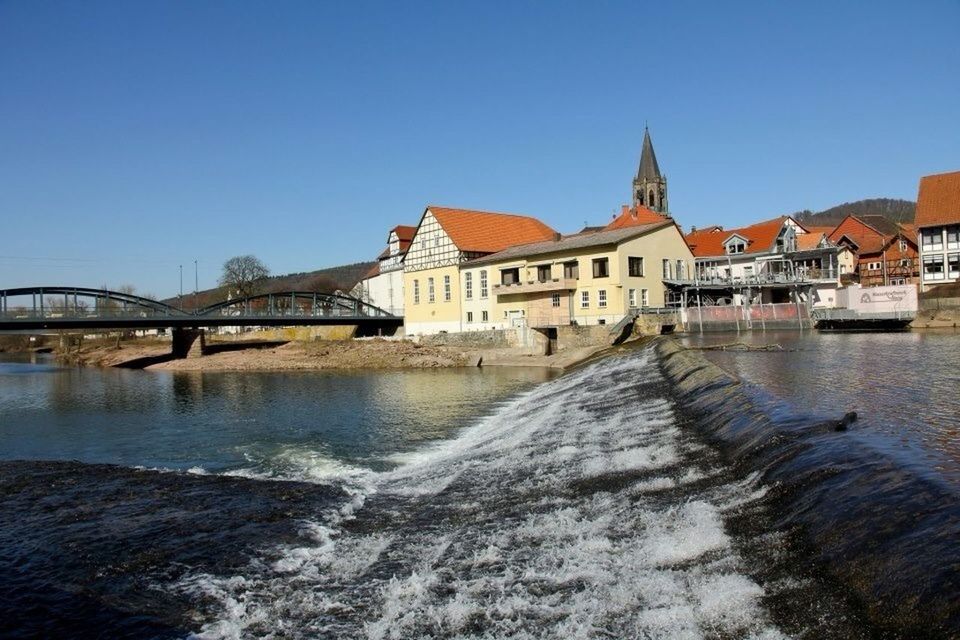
650	187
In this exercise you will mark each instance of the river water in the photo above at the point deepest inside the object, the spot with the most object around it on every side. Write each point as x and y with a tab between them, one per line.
494	503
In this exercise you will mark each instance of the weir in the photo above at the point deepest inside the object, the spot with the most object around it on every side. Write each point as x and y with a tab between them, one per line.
585	508
885	534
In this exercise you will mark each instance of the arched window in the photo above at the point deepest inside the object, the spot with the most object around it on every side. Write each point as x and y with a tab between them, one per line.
651	200
640	197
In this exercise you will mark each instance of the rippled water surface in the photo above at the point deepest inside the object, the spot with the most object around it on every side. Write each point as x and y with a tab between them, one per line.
904	386
285	424
495	503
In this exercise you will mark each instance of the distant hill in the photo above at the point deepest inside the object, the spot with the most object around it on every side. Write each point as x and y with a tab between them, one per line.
327	280
895	210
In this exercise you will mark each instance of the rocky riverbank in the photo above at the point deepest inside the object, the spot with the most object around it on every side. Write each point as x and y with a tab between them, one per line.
316	355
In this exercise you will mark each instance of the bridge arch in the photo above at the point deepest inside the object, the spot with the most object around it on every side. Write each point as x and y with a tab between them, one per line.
294	304
59	301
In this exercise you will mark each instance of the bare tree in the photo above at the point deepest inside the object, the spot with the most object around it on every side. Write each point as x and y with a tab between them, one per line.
243	275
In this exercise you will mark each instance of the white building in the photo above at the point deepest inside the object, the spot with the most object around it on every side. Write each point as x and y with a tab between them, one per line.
382	286
938	228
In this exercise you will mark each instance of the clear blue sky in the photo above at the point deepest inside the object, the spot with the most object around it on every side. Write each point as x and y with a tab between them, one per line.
136	136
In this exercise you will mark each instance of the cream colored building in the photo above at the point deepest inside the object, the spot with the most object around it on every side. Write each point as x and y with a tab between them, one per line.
446	238
586	279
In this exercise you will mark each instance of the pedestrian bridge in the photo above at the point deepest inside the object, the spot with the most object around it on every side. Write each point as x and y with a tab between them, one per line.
53	308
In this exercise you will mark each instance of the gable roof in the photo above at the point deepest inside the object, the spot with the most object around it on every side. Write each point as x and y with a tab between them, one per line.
870	233
635	216
938	200
404	232
578	241
760	238
489	232
808	241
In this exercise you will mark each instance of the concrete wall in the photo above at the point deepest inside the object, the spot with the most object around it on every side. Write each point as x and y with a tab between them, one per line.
301	334
576	336
522	339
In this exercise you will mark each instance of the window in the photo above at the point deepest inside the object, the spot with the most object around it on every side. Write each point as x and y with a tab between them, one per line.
666	269
469	316
543	273
644	298
933	267
736	246
436	241
953	265
601	267
483	285
584	299
906	262
874	266
446	288
632	297
571	270
509	276
430	293
635	267
953	237
484	316
896	281
468	286
932	240
602	298
903	243
748	272
679	272
416	292
555	300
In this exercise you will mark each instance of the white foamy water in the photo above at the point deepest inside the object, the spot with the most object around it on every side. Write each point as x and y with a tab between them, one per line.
579	510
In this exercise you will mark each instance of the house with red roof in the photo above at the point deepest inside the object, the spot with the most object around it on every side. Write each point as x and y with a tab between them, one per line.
764	263
938	225
446	237
886	251
382	286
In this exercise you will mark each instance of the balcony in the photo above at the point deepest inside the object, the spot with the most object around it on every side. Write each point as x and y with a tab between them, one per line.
535	286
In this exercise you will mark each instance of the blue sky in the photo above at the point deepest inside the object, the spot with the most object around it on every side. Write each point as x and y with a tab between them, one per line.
137	136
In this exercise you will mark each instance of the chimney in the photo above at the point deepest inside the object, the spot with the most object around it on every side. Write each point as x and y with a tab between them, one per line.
556	236
624	210
693	229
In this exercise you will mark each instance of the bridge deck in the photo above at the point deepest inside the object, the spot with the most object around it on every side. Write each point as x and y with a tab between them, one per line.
157	322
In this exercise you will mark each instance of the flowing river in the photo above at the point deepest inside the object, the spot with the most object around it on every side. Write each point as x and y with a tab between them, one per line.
645	495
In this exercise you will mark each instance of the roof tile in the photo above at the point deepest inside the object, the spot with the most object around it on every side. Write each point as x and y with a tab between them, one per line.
488	232
938	200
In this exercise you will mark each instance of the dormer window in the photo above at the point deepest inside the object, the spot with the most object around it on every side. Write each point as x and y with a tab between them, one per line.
736	245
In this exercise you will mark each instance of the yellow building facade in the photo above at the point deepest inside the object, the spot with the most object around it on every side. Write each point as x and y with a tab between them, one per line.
586	279
446	238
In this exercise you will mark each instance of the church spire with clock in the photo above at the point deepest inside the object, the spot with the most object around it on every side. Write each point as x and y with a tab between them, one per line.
650	186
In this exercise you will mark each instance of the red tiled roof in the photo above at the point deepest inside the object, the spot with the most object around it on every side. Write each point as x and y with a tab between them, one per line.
871	233
635	216
938	200
807	241
488	232
404	232
760	238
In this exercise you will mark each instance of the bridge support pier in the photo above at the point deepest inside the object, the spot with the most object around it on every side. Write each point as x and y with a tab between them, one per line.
188	343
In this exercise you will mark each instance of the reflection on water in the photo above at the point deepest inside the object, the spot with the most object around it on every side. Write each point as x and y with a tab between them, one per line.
224	421
904	386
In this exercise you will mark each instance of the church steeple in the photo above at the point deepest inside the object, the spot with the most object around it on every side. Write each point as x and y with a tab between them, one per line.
650	186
